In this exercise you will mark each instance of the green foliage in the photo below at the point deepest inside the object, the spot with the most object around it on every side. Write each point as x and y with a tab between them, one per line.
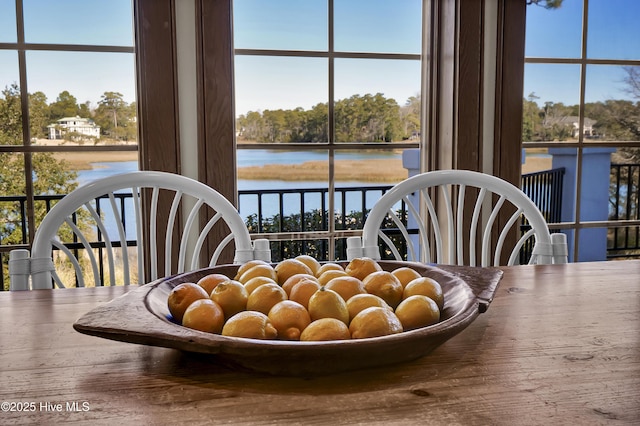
315	220
115	117
39	115
66	105
10	116
615	120
368	118
50	177
547	4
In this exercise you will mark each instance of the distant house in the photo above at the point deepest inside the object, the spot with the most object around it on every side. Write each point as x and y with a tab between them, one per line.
81	126
573	122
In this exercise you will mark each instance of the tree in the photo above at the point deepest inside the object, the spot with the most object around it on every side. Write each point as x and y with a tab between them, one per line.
629	118
547	4
65	105
410	117
10	116
531	120
50	175
39	115
366	118
111	104
115	117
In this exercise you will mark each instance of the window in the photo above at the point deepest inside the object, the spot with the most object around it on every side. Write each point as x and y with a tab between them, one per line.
468	90
581	114
67	104
327	97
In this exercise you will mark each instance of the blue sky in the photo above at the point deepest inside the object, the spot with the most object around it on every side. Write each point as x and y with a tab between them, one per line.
285	82
85	75
613	34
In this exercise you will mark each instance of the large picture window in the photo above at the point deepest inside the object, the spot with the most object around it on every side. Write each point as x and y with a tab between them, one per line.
581	116
327	98
68	109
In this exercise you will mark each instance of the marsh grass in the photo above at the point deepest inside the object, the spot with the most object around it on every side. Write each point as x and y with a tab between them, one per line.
66	272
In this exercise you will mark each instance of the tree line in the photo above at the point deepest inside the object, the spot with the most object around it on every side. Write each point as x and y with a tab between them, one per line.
611	120
360	118
116	117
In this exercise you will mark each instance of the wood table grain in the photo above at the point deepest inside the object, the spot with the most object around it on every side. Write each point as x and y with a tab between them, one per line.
559	345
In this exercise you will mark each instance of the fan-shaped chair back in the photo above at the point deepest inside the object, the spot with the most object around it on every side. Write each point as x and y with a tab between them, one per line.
455	217
94	227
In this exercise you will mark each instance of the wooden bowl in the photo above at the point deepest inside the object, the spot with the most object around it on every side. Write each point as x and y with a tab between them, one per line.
141	316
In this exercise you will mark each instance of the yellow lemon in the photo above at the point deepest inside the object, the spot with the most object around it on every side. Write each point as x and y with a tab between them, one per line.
246	266
209	282
310	261
204	315
405	274
295	279
256	282
325	329
290	319
265	270
265	297
360	302
346	286
417	311
231	296
181	296
360	267
374	322
302	292
384	285
289	267
250	324
330	274
328	304
330	266
427	287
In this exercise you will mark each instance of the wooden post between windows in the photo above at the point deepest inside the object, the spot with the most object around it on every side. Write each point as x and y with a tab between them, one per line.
455	109
216	115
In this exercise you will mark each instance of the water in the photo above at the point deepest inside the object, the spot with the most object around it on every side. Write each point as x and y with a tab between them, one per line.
251	157
255	157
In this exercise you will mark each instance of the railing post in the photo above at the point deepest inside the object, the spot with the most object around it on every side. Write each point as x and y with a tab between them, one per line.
19	269
594	198
411	162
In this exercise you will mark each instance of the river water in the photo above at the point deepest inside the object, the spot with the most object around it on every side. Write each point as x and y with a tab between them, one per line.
257	157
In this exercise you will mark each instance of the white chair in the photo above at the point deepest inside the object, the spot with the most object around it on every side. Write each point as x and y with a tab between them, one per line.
453	218
173	203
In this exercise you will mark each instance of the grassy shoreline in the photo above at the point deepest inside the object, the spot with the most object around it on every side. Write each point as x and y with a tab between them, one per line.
372	170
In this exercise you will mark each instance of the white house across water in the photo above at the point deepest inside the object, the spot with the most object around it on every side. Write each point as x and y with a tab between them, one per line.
82	126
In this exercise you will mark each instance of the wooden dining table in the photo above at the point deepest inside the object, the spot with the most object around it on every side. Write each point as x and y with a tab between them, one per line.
559	344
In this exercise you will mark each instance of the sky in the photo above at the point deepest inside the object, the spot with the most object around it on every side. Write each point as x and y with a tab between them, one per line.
86	75
389	26
613	33
290	82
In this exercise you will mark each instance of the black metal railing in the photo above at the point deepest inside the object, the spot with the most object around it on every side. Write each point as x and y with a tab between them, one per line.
293	211
545	189
300	210
624	195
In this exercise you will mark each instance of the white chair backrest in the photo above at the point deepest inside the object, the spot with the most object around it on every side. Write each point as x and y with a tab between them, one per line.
175	204
440	229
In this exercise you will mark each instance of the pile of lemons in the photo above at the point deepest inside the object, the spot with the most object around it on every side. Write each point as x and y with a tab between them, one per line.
301	299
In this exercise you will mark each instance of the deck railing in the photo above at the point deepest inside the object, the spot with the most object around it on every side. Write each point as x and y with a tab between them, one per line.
300	210
624	190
